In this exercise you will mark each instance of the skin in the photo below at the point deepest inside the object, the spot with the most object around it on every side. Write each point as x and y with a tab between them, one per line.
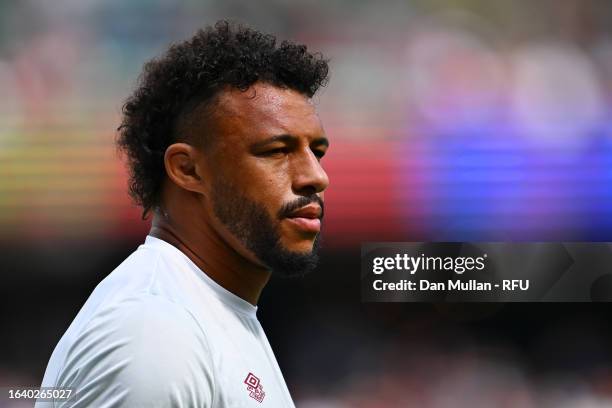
267	142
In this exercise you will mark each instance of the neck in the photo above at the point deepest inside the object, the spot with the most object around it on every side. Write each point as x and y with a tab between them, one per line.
213	255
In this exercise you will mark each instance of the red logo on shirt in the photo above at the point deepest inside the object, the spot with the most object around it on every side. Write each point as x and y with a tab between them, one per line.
254	387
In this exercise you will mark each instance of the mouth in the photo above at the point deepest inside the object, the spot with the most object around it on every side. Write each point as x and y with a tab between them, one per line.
307	218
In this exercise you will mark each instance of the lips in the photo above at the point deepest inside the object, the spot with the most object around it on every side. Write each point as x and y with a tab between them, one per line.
307	218
311	211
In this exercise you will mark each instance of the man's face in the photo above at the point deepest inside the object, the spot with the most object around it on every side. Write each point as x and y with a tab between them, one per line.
266	187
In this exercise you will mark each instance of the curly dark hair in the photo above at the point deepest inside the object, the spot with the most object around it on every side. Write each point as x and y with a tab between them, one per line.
188	77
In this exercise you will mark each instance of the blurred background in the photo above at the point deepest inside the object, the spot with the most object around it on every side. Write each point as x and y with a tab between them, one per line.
450	120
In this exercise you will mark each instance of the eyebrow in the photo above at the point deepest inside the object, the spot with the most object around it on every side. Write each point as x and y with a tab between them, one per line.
287	138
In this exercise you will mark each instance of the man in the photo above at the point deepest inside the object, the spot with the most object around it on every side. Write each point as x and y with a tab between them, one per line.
224	146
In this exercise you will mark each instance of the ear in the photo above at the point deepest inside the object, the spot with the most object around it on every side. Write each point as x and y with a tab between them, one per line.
183	166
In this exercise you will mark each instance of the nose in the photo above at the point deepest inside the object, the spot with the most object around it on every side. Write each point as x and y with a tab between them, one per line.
308	175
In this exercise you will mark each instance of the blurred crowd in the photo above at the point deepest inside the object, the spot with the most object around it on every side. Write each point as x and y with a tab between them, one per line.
450	120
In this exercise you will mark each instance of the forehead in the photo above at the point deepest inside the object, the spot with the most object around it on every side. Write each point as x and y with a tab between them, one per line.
265	110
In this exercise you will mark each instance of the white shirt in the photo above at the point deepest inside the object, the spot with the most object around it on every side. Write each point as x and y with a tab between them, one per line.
158	332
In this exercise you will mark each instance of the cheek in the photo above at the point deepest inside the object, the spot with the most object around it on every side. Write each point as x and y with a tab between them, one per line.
269	194
266	183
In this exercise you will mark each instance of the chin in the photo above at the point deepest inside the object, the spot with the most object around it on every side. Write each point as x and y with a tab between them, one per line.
292	258
302	247
297	241
293	241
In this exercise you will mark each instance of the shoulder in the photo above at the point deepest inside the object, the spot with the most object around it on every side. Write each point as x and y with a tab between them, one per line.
138	351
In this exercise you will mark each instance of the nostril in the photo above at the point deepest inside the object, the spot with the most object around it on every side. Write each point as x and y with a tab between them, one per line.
307	190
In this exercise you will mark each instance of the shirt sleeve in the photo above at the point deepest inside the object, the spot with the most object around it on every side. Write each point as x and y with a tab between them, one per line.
150	352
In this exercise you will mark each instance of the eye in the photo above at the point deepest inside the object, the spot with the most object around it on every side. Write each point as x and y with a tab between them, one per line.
277	152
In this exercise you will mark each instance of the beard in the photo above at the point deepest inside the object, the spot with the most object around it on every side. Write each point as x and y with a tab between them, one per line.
251	224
